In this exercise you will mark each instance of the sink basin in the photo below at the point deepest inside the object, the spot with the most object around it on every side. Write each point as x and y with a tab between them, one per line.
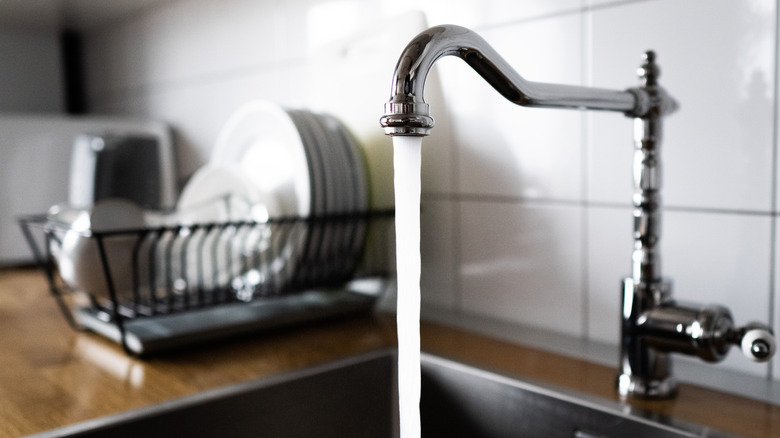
357	397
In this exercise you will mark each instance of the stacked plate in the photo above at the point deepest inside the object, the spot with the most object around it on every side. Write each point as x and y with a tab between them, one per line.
301	164
339	188
308	161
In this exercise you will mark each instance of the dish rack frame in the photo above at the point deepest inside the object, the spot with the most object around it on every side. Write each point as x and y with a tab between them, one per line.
171	302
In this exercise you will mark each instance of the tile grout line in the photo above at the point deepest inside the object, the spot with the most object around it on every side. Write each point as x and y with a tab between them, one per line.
585	6
507	199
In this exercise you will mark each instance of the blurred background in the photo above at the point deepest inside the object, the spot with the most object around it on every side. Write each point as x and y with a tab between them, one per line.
526	212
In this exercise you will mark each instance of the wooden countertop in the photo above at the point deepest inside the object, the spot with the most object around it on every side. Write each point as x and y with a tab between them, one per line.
52	376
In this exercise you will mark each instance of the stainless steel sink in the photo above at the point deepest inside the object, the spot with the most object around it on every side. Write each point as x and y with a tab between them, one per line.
357	397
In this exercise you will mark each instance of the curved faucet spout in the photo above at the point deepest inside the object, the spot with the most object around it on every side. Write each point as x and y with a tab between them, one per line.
407	113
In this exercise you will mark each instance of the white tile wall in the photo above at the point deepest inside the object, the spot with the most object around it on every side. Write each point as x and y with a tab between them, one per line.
720	66
609	261
547	162
522	263
721	258
526	212
438	286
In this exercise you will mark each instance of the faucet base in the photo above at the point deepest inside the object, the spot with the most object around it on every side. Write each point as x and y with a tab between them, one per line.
638	387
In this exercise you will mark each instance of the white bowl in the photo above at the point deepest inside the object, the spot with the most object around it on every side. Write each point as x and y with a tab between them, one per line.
78	257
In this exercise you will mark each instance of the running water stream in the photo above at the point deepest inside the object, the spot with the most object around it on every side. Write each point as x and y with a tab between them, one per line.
406	160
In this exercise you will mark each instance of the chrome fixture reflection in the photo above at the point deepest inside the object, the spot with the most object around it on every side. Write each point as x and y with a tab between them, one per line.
653	325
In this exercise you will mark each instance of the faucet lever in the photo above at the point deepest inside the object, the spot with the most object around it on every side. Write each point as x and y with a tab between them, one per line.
704	331
756	341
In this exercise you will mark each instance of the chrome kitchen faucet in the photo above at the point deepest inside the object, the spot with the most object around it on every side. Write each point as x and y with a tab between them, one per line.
653	324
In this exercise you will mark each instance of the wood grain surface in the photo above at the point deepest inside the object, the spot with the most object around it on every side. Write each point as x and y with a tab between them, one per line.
52	376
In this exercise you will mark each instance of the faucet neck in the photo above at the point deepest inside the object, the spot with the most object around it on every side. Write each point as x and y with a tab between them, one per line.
406	113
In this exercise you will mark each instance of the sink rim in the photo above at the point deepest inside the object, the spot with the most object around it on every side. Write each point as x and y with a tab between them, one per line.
590	401
535	386
213	394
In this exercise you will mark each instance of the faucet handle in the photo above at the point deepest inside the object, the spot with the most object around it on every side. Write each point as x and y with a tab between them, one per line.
705	331
756	341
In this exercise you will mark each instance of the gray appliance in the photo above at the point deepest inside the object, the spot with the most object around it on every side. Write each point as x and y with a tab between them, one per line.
135	167
35	152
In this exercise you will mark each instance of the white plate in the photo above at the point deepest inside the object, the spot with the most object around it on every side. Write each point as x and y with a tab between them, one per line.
78	258
220	194
224	193
262	139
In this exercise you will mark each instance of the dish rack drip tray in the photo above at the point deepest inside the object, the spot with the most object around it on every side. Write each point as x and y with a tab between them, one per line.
157	289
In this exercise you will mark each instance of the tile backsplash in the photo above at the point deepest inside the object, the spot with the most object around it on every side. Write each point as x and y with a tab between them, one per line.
526	212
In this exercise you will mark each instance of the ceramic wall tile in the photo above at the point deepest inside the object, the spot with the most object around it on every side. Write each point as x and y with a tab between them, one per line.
721	259
264	33
474	13
193	112
719	65
176	49
522	264
508	150
277	84
609	248
607	3
438	243
485	14
166	47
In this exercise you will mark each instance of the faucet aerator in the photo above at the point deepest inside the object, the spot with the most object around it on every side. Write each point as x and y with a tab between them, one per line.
407	118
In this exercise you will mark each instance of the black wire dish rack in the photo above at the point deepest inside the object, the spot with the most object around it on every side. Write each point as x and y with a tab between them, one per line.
156	289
